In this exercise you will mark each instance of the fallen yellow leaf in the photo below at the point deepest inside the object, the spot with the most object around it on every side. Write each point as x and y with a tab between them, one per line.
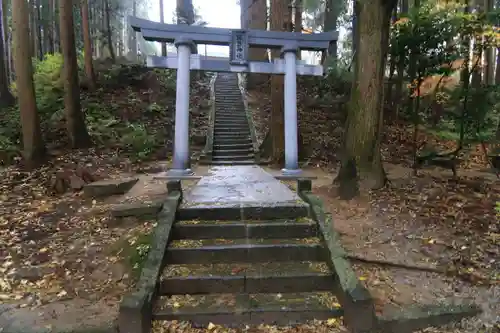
331	322
362	278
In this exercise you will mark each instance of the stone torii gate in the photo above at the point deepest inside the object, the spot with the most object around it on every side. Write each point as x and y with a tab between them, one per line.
186	38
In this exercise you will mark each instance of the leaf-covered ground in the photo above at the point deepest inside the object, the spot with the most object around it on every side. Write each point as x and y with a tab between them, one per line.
62	256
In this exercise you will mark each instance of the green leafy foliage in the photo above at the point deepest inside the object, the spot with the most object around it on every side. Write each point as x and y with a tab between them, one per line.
139	140
429	42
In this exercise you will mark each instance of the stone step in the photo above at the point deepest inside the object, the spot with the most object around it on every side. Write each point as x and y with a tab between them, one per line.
246	151
276	229
223	119
230	126
228	90
230	115
232	136
232	157
218	251
232	141
234	130
229	102
248	162
238	114
225	136
228	96
270	277
235	146
268	210
241	152
238	310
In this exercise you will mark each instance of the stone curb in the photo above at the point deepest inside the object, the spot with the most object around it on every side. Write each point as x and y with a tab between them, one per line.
135	314
412	318
359	310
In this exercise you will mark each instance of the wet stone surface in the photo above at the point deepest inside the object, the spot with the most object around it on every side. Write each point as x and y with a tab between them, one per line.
240	186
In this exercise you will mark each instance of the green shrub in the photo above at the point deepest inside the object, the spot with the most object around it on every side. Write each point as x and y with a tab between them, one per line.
49	85
139	141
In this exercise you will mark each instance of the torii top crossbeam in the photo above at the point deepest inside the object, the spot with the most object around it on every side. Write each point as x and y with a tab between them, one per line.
168	33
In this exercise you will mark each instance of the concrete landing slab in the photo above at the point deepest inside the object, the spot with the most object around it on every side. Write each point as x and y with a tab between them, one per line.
246	186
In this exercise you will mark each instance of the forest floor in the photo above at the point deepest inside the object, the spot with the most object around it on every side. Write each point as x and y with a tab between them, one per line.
64	258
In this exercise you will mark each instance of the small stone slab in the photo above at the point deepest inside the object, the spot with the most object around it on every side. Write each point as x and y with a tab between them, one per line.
415	317
294	177
108	187
136	209
166	176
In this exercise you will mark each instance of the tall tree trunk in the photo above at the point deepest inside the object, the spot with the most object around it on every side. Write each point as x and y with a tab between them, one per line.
162	20
361	157
354	32
489	68
33	144
497	72
185	12
6	38
297	20
132	35
281	20
32	25
49	24
332	12
38	11
109	31
477	51
257	19
6	98
87	43
398	93
75	122
56	27
8	42
392	69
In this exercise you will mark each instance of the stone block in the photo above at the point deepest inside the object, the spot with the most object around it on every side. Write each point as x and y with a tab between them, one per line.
136	209
108	187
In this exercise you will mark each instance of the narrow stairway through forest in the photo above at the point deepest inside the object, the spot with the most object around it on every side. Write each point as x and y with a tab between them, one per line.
232	142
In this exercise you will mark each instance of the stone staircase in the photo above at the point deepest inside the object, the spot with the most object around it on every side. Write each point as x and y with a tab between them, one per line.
268	267
232	141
